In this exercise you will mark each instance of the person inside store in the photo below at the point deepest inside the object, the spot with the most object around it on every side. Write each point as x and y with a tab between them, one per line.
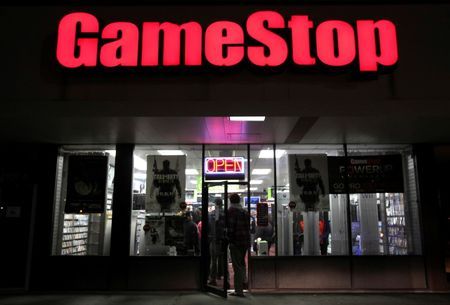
324	231
190	235
216	231
264	233
238	232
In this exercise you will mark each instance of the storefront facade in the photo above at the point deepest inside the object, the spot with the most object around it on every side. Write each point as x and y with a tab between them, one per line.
362	90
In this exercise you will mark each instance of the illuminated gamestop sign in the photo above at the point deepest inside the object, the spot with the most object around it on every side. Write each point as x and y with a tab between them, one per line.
222	168
267	39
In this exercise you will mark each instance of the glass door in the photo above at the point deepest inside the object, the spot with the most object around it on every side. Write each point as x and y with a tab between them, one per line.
217	268
214	241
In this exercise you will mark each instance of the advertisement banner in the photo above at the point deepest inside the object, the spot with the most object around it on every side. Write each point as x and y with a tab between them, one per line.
366	174
308	182
86	184
165	183
262	214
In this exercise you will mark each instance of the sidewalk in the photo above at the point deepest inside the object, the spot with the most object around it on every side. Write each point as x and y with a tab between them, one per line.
207	299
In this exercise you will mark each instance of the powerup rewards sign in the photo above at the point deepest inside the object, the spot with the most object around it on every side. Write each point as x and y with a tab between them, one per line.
367	44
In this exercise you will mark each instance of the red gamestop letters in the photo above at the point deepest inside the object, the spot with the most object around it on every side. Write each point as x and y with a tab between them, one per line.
371	44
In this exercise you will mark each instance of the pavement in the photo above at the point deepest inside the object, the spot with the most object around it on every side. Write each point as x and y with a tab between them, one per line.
177	298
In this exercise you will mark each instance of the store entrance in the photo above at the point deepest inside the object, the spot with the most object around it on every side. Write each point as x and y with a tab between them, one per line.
218	273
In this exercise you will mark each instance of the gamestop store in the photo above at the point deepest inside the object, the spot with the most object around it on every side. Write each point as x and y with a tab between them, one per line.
126	129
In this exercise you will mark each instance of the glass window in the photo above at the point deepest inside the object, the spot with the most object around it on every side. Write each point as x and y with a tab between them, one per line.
83	197
167	193
383	199
262	201
312	220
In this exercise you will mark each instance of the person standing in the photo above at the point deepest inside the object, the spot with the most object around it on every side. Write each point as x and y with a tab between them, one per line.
190	235
239	241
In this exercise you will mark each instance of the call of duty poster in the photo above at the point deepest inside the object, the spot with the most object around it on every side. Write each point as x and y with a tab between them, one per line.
308	182
165	183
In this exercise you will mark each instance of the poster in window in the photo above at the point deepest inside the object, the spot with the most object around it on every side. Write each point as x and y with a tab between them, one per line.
165	183
86	184
174	235
366	174
308	182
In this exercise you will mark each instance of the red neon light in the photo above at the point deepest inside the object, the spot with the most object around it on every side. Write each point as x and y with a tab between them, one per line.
127	45
387	38
326	43
171	47
300	27
118	43
68	42
224	165
276	44
223	43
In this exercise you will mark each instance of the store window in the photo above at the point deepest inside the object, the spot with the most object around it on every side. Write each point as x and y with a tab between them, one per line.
83	201
166	200
383	200
311	218
262	201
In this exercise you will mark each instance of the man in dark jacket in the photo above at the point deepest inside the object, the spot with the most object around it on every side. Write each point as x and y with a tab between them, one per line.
190	234
239	241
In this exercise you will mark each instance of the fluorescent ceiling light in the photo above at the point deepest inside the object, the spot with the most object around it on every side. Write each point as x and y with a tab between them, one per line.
256	181
247	118
261	171
140	163
191	171
218	195
268	153
170	152
253	188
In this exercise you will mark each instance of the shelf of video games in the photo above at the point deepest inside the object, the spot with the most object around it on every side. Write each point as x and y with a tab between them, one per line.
395	224
82	233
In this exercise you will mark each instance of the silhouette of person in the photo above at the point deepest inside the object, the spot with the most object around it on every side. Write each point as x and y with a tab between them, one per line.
168	184
310	182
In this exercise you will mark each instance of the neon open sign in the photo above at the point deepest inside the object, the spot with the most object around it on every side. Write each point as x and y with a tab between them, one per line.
223	168
266	39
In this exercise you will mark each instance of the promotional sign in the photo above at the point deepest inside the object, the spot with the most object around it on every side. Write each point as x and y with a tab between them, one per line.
165	183
308	182
266	39
366	174
224	168
262	214
86	184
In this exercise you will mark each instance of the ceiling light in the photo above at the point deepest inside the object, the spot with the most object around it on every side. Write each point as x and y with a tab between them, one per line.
171	152
261	171
268	153
256	181
253	188
191	171
247	118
